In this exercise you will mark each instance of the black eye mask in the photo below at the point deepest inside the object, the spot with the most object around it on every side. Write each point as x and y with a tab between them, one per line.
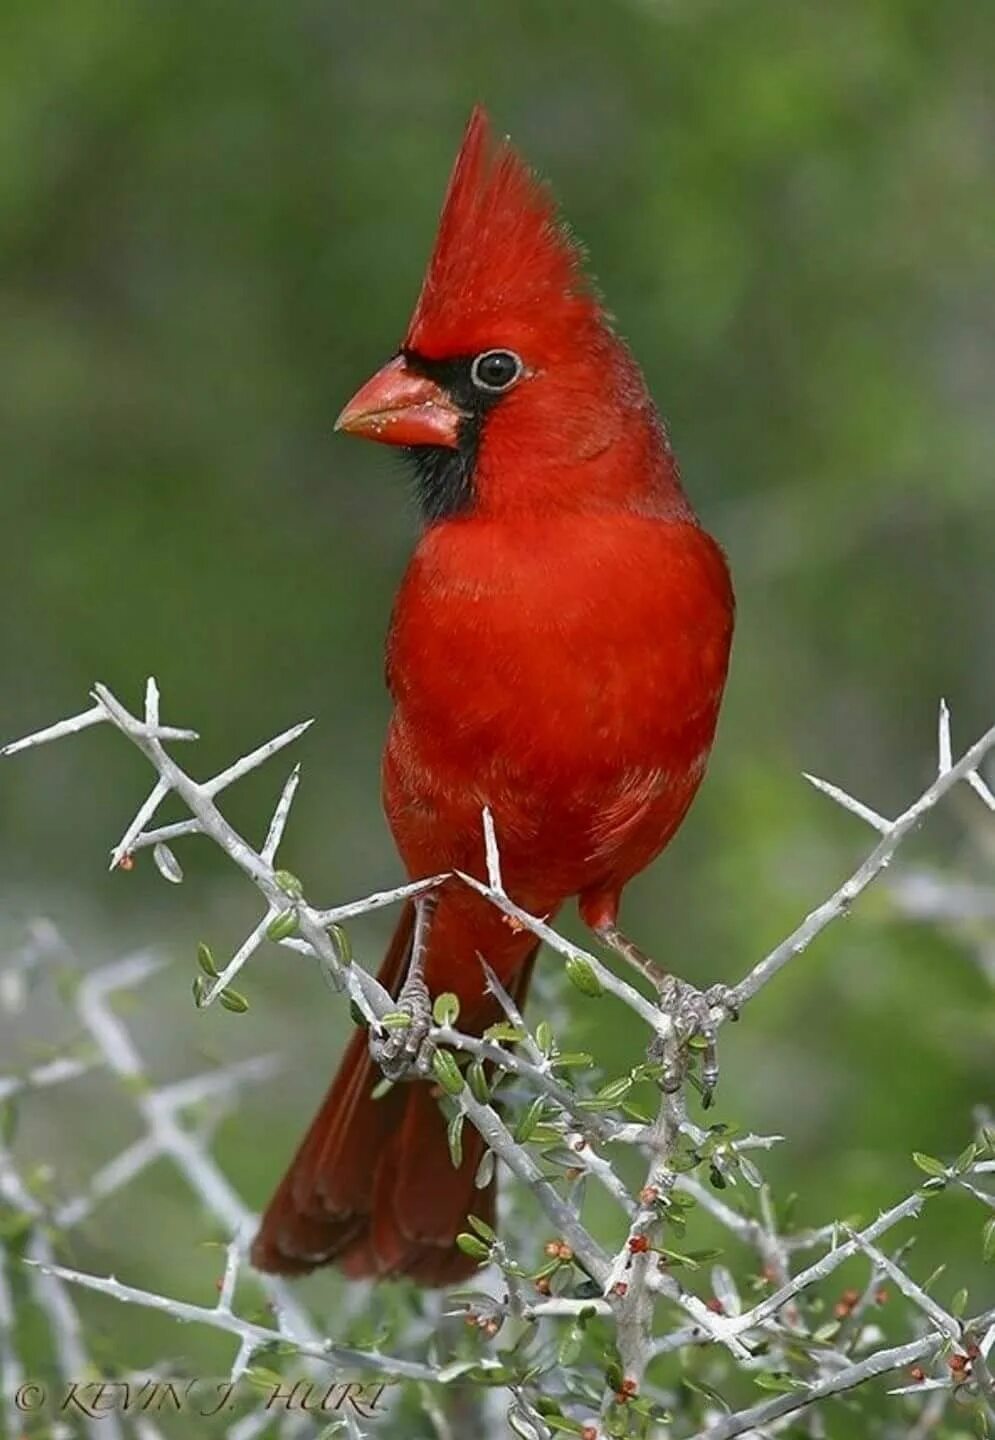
475	384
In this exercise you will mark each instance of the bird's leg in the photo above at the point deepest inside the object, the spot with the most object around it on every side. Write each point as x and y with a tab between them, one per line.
689	1009
405	1053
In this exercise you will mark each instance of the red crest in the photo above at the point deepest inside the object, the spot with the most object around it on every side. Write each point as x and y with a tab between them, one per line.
502	256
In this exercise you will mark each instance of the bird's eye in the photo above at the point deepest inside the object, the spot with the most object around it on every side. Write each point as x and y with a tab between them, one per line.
496	370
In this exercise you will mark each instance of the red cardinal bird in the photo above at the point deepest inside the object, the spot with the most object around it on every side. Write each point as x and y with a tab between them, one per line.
557	652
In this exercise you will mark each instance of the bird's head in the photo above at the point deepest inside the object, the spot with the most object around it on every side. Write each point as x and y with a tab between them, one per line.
511	391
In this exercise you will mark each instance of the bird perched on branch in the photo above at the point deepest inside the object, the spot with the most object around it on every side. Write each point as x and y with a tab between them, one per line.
557	653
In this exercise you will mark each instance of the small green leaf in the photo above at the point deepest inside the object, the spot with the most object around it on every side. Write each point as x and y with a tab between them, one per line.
595	1105
563	1425
639	1113
779	1384
716	1178
674	1257
573	1060
580	973
470	1245
282	925
342	943
504	1031
396	1020
648	1071
966	1158
547	1135
262	1379
234	1001
445	1011
454	1135
544	1037
928	1284
684	1161
827	1332
477	1077
206	960
613	1375
381	1088
289	883
447	1072
988	1240
528	1121
199	990
482	1228
615	1089
929	1165
959	1303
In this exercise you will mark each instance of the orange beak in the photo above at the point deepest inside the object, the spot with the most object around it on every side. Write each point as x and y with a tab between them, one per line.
399	407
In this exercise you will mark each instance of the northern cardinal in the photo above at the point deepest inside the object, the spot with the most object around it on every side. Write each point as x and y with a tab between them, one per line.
557	652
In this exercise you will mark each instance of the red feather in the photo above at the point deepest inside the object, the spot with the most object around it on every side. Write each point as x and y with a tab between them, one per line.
502	257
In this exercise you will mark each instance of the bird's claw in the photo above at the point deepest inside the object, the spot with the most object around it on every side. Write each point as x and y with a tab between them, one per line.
406	1053
690	1011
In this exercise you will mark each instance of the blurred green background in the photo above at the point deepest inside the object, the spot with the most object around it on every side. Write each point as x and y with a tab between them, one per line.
213	222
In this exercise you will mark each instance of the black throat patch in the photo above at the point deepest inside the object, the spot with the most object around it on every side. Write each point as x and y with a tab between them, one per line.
443	476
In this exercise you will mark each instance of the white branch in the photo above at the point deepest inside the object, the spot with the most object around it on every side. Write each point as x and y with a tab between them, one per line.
251	1335
856	807
633	1281
878	860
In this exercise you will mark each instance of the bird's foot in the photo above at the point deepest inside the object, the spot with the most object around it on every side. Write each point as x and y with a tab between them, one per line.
692	1014
404	1052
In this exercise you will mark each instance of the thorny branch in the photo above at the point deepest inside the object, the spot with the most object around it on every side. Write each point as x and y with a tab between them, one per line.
555	1145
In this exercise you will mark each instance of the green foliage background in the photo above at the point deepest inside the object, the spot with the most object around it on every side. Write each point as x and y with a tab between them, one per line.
213	221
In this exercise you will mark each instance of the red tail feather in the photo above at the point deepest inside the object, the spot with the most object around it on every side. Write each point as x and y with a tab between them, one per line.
372	1187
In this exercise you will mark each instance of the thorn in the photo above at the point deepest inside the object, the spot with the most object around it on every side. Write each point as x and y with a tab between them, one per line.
944	747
